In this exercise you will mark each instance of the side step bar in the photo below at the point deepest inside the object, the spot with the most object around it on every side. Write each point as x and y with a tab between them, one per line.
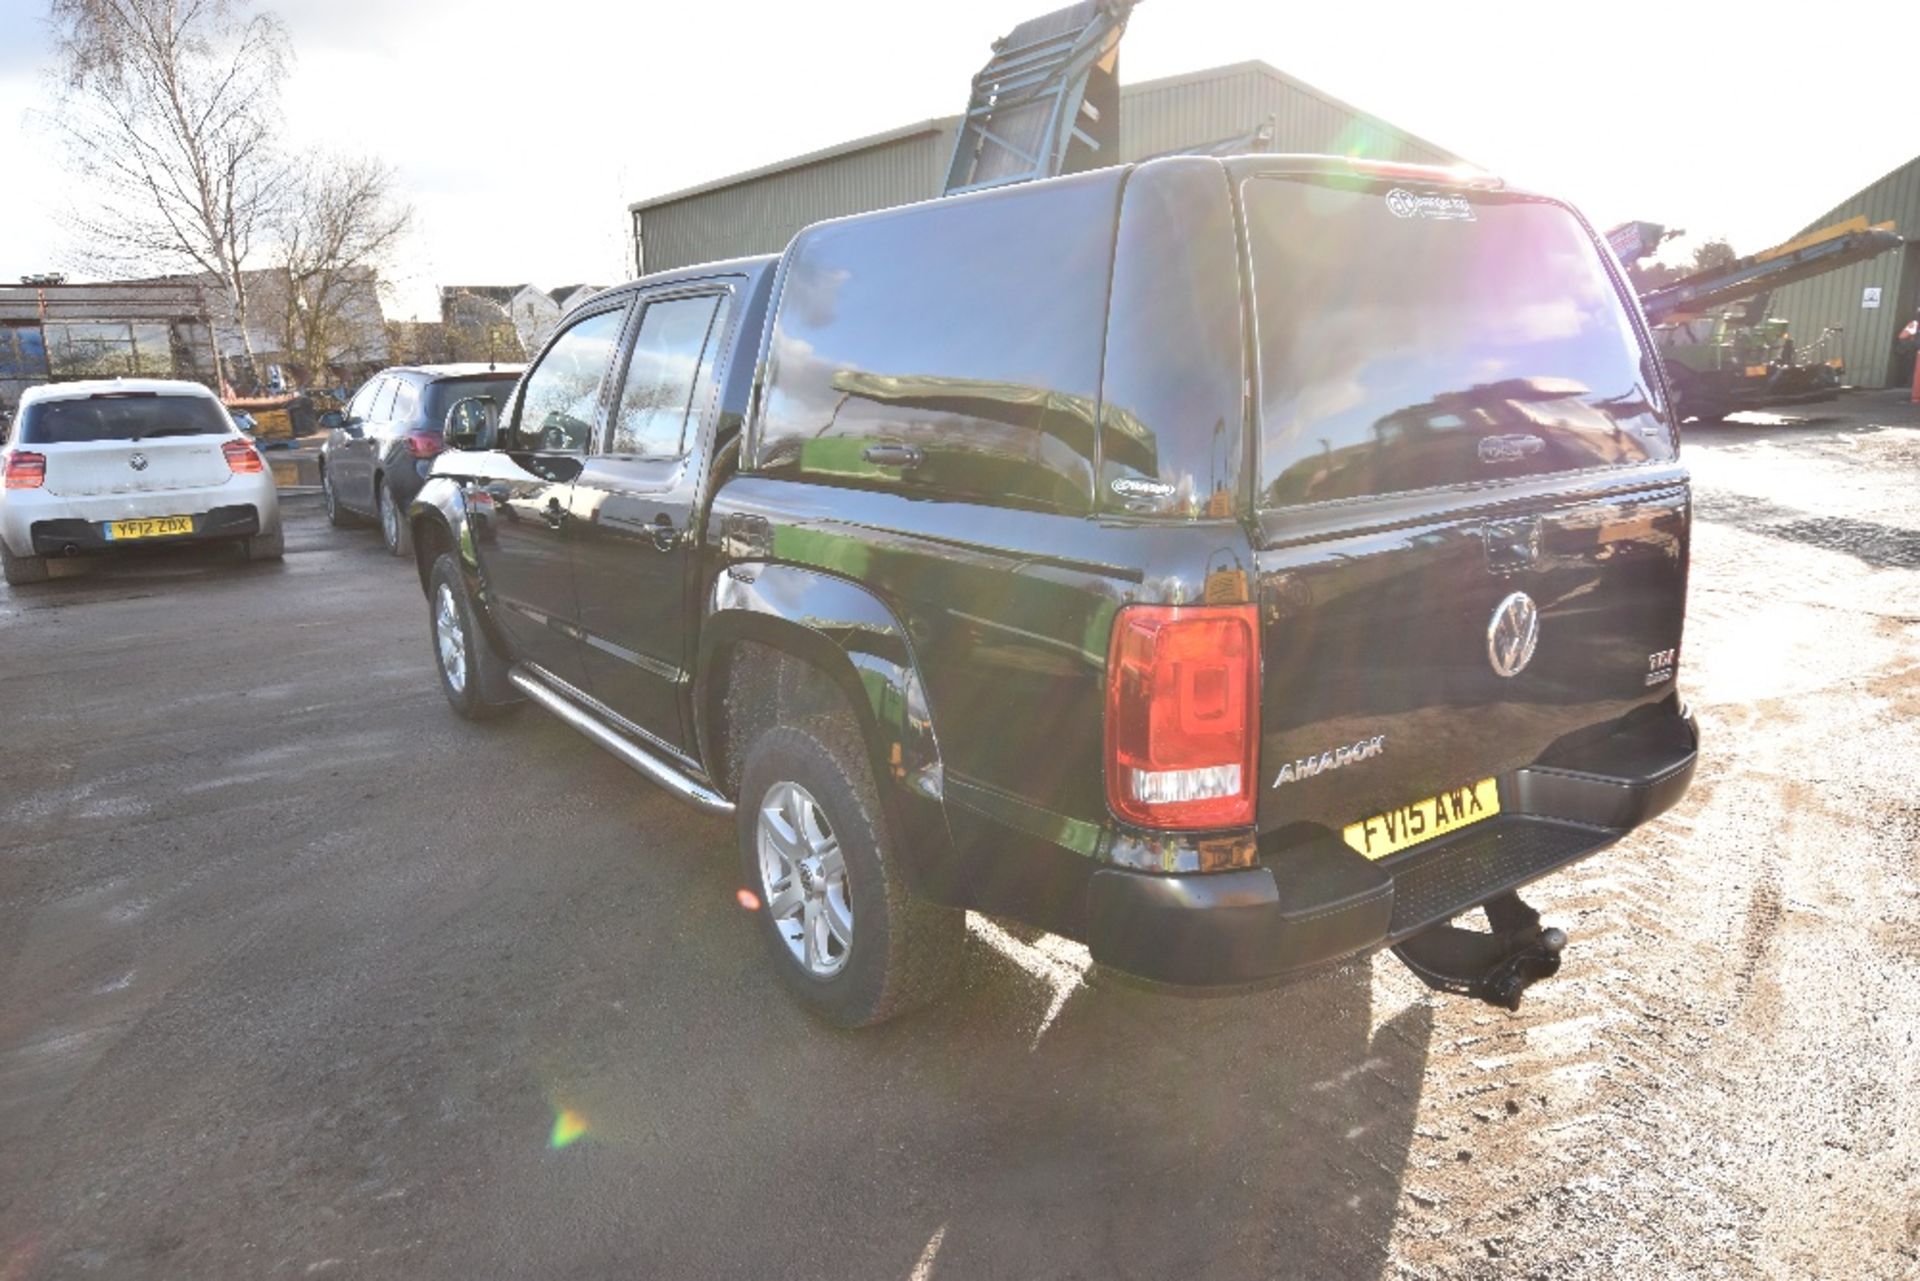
670	777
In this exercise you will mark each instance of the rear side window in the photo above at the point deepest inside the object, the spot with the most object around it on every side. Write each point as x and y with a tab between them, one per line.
1410	340
662	372
948	349
383	401
405	400
125	417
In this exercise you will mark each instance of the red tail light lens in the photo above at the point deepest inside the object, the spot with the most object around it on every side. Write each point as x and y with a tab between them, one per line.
424	444
26	471
243	458
1183	715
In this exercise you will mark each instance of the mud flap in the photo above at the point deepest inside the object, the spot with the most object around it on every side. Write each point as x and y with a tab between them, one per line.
1495	968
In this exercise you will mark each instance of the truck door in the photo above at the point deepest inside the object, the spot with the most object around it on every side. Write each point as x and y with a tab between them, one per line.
636	504
526	550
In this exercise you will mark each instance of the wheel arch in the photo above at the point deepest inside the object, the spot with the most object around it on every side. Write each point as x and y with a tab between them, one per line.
777	637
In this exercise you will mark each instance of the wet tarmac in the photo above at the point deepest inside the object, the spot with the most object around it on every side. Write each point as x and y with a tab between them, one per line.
300	976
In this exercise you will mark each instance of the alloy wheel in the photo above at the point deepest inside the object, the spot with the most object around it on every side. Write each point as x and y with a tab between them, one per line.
389	518
450	638
803	879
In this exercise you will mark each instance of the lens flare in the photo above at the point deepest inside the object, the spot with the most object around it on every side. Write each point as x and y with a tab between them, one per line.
568	1127
747	899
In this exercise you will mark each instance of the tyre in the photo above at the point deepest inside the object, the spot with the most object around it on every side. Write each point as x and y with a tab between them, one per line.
849	940
20	570
394	530
336	514
467	663
266	546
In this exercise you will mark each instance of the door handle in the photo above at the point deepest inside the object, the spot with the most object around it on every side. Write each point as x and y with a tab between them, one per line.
893	455
665	536
556	514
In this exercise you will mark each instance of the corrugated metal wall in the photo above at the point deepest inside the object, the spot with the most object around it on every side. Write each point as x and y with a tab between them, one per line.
1185	111
1835	298
760	214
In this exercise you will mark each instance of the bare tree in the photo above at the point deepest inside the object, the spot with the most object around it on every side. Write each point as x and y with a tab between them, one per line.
171	106
337	225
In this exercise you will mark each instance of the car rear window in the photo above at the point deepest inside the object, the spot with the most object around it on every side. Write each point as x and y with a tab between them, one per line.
131	416
441	396
1410	340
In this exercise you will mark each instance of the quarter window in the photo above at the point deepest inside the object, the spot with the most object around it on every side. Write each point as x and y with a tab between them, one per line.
662	373
561	397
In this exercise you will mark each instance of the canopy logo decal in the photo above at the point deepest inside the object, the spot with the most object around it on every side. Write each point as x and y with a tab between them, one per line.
1402	203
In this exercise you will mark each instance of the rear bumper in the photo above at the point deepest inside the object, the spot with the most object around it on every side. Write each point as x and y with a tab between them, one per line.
1319	901
84	537
35	523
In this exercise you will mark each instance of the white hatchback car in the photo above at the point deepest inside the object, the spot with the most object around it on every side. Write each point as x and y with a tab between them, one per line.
94	466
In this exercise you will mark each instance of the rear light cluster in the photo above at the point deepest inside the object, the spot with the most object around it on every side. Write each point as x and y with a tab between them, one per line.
424	444
243	458
1183	715
26	471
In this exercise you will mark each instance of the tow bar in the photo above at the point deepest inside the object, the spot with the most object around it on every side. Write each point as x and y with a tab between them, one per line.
1495	968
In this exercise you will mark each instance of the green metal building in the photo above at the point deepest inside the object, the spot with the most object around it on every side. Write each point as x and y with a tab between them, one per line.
1870	301
1249	106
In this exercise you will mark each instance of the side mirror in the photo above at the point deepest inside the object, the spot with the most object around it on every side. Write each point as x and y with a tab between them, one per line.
332	420
471	422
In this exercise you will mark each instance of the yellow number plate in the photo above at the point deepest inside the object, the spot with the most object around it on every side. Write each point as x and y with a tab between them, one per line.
150	527
1426	818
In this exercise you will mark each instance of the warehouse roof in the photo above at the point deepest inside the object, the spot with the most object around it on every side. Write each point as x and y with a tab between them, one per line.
940	123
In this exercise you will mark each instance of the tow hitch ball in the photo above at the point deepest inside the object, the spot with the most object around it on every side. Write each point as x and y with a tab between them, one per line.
1495	968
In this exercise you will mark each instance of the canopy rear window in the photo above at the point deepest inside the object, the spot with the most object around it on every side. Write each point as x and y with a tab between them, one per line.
130	416
1410	340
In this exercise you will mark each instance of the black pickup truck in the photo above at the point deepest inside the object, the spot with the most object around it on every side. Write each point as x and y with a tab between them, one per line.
1235	565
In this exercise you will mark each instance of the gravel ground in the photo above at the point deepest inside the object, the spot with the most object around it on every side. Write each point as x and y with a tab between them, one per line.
301	976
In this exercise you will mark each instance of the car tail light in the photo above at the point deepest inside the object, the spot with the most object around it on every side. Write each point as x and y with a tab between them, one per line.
424	444
26	471
243	458
1183	715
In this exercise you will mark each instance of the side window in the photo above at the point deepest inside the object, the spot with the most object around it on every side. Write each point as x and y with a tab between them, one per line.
383	401
949	349
405	401
662	374
560	396
362	403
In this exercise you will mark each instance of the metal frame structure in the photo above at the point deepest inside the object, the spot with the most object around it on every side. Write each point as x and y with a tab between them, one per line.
1041	94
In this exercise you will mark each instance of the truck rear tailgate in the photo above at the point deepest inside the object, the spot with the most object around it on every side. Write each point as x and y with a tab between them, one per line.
1471	524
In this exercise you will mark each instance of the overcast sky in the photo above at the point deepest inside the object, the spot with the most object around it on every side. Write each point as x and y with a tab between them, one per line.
521	129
